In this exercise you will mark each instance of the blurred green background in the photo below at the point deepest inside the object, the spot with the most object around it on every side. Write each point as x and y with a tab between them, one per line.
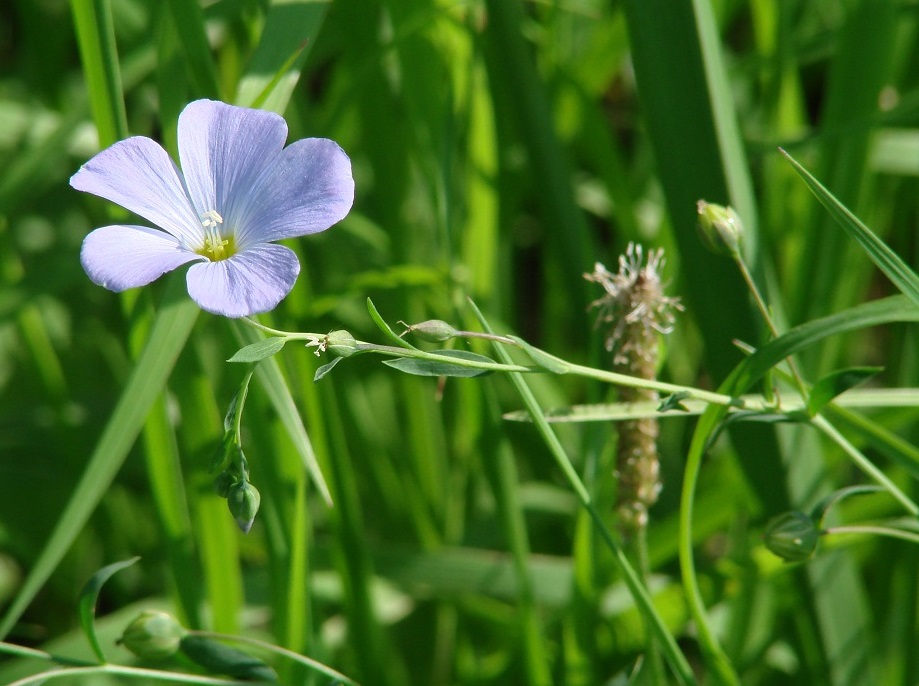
499	148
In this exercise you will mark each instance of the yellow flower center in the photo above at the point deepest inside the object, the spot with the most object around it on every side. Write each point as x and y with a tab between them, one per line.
216	247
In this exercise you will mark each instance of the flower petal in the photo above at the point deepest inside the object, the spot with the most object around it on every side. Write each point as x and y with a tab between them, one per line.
250	282
223	149
138	174
308	188
122	257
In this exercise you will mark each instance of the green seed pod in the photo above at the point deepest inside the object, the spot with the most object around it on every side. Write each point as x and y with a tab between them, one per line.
434	330
792	536
720	227
153	635
243	500
341	343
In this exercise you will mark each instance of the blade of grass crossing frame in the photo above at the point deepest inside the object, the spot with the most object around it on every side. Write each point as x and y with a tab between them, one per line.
170	330
189	25
669	648
290	27
96	37
860	67
880	253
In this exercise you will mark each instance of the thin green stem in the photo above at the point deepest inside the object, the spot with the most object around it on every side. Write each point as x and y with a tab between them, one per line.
767	317
131	672
575	369
653	655
890	532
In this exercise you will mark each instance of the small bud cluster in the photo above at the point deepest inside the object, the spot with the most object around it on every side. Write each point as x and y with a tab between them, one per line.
636	312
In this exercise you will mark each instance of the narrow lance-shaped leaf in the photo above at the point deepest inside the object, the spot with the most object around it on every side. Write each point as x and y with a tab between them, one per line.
435	368
880	253
255	352
835	384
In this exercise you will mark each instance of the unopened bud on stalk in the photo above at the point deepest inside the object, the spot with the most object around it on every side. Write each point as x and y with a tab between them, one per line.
243	500
433	330
720	227
341	343
792	536
153	635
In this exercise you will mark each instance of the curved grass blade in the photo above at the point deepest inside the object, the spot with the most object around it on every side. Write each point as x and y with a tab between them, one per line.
88	597
170	330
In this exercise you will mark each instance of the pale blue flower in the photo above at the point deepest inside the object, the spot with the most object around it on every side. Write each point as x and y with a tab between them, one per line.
239	190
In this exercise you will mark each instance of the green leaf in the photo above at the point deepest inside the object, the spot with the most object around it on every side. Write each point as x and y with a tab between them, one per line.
384	327
221	659
255	352
290	30
87	604
836	383
434	368
326	368
674	402
880	253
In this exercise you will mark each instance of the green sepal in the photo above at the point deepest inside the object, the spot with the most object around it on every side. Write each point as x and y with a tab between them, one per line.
836	383
435	368
260	350
221	659
88	597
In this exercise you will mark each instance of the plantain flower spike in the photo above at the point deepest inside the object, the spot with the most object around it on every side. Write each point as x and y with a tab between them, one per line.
635	312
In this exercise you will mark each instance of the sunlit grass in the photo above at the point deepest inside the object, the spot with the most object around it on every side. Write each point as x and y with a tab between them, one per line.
499	149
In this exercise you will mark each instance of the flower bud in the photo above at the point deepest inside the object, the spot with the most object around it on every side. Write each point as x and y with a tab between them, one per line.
433	330
720	227
243	500
153	635
341	343
792	536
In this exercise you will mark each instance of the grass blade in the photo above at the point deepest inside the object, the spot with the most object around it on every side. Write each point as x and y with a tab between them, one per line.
880	253
167	338
96	36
